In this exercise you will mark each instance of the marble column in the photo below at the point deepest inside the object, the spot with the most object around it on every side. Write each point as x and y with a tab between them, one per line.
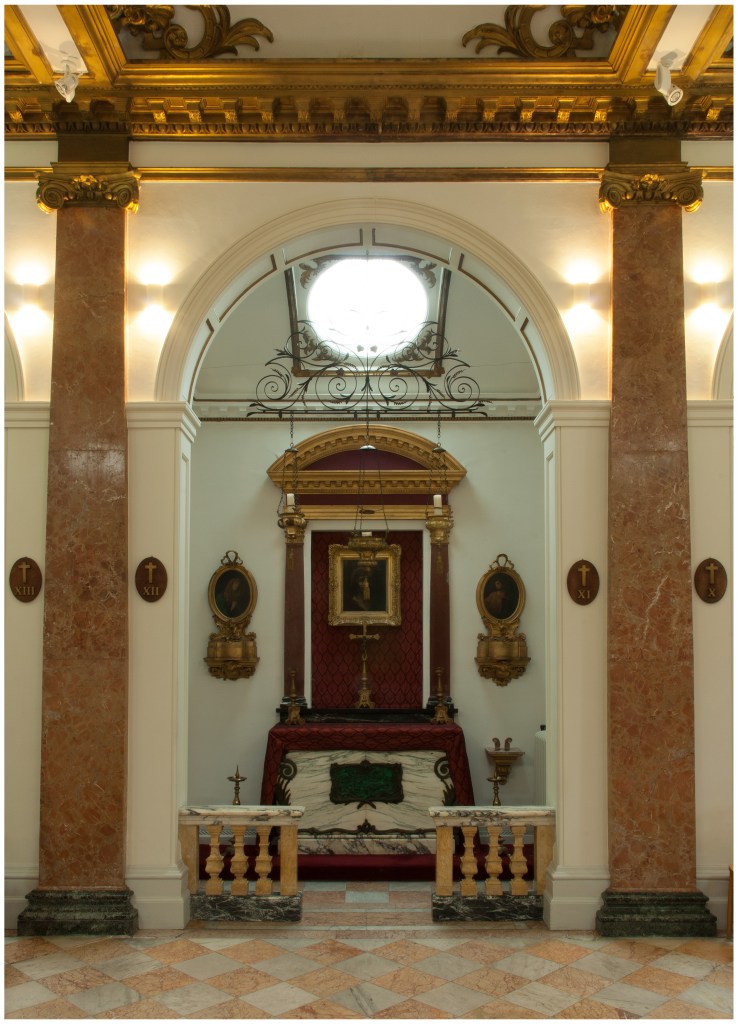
439	646
651	803
85	658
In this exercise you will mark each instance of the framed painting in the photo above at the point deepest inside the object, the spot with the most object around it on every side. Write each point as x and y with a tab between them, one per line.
357	594
232	592
501	594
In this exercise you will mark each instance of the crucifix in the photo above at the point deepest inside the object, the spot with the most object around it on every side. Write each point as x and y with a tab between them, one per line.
365	696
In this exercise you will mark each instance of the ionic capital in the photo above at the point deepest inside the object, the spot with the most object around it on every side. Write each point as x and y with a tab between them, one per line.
625	185
294	525
88	184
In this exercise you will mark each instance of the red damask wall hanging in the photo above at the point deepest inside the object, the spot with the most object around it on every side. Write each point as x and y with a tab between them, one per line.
395	661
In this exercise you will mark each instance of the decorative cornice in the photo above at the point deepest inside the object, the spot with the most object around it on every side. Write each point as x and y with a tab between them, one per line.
366	174
630	186
88	185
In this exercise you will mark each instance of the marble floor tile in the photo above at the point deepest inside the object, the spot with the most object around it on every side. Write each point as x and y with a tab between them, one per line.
326	981
329	951
454	998
203	968
527	966
57	1009
710	997
146	1009
104	997
542	998
623	996
287	966
708	949
407	952
26	948
367	999
20	997
501	1009
450	968
194	998
408	981
411	1009
681	963
161	979
588	1009
559	952
45	966
75	981
677	1009
253	951
178	951
277	1000
611	967
127	965
366	966
323	1009
578	983
655	980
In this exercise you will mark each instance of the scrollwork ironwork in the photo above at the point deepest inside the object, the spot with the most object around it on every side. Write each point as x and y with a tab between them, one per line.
423	375
158	32
516	37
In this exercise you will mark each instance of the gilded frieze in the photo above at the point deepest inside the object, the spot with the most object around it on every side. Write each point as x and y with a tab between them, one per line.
158	33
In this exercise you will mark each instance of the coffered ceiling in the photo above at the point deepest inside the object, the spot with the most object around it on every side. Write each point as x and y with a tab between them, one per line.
365	72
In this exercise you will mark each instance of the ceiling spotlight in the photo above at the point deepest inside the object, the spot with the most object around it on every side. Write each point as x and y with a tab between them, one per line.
671	93
67	84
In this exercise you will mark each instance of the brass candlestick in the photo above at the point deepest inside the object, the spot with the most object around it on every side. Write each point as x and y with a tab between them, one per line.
440	715
293	708
365	694
238	779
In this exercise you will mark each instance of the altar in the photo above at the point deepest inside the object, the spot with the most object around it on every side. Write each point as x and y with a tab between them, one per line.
366	785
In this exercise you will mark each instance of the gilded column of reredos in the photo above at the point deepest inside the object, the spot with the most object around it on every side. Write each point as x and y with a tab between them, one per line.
651	807
85	668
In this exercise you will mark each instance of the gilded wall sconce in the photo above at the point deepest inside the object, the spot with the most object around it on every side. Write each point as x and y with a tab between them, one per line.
502	652
232	598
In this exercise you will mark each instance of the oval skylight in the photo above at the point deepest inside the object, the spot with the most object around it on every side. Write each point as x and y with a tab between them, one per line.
367	305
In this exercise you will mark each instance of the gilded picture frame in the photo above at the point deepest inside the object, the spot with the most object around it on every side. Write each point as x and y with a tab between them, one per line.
501	596
232	593
356	596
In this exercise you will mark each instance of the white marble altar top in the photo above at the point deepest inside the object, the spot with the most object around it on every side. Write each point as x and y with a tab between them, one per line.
493	815
238	814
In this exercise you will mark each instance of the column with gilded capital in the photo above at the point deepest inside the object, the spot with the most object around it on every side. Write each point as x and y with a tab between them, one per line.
293	522
651	801
82	848
439	524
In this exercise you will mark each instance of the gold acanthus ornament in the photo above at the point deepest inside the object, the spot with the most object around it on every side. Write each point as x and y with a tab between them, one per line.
159	33
517	37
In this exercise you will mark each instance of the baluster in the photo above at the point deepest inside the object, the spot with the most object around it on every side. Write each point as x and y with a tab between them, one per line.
518	865
493	885
468	861
263	862
542	854
239	863
444	860
189	844
288	860
214	863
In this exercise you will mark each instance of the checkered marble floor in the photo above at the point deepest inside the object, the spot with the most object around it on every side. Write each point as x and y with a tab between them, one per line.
367	949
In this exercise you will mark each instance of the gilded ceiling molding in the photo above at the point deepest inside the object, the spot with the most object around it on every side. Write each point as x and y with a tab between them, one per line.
517	38
153	23
88	184
631	186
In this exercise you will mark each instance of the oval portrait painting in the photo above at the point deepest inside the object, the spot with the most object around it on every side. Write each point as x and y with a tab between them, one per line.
233	593
500	595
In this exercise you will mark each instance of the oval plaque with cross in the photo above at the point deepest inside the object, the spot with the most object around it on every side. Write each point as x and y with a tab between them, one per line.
151	579
710	580
25	579
583	582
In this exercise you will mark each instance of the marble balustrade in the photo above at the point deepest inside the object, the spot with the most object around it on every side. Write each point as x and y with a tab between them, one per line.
270	900
462	829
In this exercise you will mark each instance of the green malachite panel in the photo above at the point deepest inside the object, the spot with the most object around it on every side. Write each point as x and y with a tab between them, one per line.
366	783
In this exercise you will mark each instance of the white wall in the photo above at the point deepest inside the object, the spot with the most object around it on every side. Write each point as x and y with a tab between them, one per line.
711	490
498	508
26	462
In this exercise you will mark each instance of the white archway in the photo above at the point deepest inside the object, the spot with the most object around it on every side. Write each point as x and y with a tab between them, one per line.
537	320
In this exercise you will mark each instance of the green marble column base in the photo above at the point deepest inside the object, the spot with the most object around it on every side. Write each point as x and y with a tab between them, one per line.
78	912
626	914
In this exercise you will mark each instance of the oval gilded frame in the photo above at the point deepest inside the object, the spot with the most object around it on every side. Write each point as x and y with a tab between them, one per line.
232	593
501	596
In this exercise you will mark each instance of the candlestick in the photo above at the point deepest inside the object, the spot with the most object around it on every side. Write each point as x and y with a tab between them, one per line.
238	779
437	505
290	502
